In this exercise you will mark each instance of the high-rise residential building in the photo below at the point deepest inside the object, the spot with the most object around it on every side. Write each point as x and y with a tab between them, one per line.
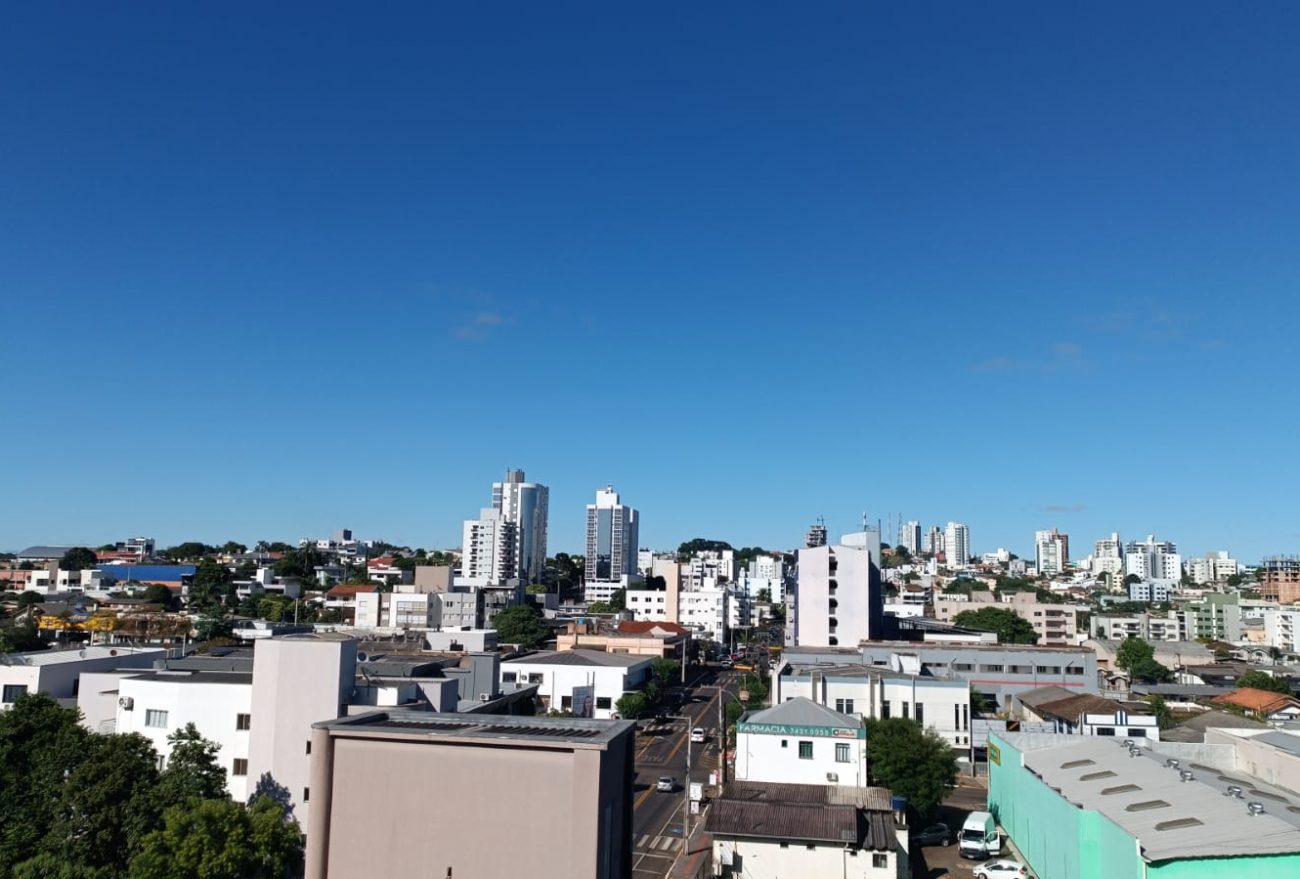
839	597
1281	579
956	544
1051	551
1108	556
934	541
524	504
1215	567
612	544
816	535
909	537
1154	560
488	549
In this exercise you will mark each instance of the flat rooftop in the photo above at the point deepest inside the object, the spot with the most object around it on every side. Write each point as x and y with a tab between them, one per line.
190	676
1169	817
480	728
56	657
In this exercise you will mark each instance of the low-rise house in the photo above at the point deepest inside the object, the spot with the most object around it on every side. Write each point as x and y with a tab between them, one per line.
1263	704
586	682
801	742
764	830
1086	714
57	673
658	639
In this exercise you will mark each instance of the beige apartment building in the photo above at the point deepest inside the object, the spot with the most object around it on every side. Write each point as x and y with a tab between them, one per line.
1056	624
661	640
542	797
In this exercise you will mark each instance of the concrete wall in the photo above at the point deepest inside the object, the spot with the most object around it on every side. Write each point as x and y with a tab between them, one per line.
566	814
558	681
297	681
775	758
764	859
945	704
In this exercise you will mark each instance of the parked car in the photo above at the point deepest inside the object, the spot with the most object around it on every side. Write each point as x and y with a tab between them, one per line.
726	663
667	784
698	735
935	834
1001	869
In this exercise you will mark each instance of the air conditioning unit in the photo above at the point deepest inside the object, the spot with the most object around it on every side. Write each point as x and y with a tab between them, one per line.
484	697
126	703
833	777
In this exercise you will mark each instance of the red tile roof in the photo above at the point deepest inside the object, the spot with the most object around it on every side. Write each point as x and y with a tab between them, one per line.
383	560
642	627
348	590
1263	702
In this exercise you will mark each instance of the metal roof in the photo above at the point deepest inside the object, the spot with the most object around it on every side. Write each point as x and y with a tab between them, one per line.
56	657
1170	818
577	731
802	712
43	552
805	812
581	657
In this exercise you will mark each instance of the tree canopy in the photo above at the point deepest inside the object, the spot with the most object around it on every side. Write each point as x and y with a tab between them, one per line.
1010	627
1137	657
521	625
79	558
1258	680
700	544
912	761
191	550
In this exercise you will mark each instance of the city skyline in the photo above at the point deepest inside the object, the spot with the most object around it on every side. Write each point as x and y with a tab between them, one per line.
470	224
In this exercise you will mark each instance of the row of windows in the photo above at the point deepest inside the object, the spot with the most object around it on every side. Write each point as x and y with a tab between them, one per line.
510	677
878	859
1076	671
843	754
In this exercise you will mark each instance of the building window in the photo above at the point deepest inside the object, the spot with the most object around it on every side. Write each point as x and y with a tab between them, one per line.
785	743
240	767
991	668
242	721
603	702
1071	670
920	712
1105	731
535	677
306	794
906	708
155	718
805	750
1137	734
309	746
566	703
508	677
844	706
842	752
1049	669
879	860
13	691
962	666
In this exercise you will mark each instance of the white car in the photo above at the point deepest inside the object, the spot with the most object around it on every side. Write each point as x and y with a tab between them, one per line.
667	784
1001	869
697	735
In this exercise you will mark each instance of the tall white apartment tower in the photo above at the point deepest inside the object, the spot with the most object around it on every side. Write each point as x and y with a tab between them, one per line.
612	543
839	599
1153	560
488	549
1108	556
909	537
1051	551
524	504
956	544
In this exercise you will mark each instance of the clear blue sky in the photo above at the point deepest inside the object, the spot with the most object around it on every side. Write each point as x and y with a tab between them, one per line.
268	272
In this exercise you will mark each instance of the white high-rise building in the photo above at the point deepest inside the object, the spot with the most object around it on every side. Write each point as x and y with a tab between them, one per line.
1215	567
1051	551
956	544
909	537
1108	556
934	541
839	599
612	544
524	504
488	548
1154	560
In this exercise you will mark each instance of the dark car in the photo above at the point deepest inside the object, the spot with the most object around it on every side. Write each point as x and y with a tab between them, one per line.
935	834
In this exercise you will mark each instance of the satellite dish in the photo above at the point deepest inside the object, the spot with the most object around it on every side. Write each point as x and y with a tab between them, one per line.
362	656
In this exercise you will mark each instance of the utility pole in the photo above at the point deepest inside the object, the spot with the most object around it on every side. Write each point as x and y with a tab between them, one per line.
686	788
722	738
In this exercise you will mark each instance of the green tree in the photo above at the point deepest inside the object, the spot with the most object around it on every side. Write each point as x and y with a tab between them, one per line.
53	866
219	839
618	600
299	563
157	593
1132	651
1159	708
192	769
979	705
1011	628
22	635
632	706
912	761
521	625
188	551
231	547
79	558
666	670
1258	680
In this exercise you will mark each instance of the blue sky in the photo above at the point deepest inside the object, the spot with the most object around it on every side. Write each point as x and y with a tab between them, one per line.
265	273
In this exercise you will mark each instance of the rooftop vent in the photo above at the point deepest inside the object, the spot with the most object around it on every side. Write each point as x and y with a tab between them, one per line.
1128	743
1185	775
1253	809
1179	823
1233	791
1172	763
1146	806
1120	789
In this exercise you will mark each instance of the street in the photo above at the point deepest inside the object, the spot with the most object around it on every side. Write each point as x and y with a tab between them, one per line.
657	817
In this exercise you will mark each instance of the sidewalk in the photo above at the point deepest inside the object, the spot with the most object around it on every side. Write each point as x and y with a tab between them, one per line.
696	857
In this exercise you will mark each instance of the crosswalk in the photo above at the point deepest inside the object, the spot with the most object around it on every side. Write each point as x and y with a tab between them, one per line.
666	844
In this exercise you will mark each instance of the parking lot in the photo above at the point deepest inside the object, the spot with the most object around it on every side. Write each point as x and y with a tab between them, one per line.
934	861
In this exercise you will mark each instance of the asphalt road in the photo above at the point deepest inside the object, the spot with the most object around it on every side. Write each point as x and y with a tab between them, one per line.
657	816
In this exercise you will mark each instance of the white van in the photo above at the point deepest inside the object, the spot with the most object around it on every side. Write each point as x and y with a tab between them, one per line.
979	837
